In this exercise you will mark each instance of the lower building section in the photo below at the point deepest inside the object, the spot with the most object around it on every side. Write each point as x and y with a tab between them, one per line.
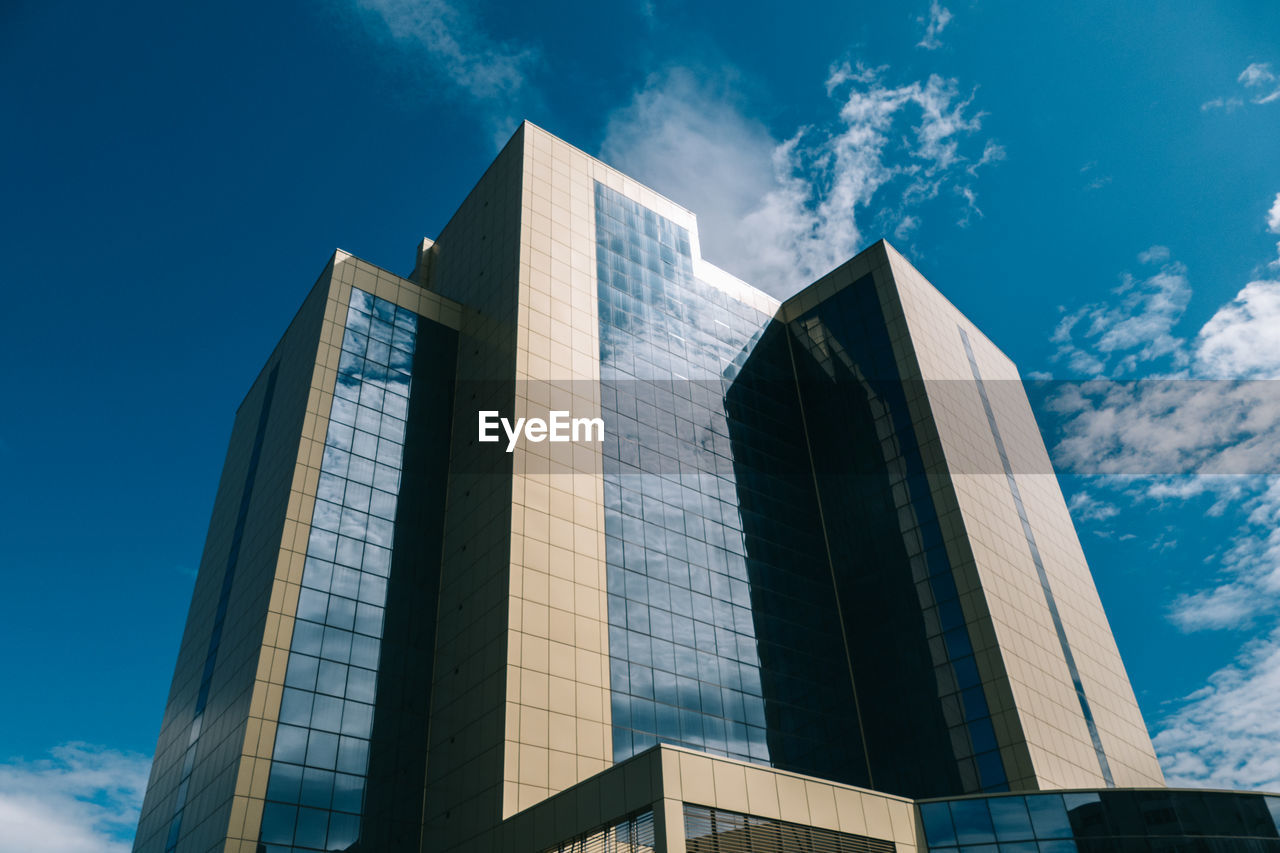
671	799
1127	821
675	800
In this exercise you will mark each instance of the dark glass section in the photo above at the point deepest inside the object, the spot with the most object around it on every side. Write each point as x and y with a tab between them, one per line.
220	616
1105	820
810	706
710	830
398	748
925	721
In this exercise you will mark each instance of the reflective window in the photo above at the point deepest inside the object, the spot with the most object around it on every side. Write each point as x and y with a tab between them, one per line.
723	633
316	786
685	666
1105	820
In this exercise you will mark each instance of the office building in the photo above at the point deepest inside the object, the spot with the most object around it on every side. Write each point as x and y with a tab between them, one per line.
811	579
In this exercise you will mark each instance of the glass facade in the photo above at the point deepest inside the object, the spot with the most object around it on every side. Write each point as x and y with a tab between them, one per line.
746	613
219	618
811	708
316	790
684	664
927	723
723	636
1124	821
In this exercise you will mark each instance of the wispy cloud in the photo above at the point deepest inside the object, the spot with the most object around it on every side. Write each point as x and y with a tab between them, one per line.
782	212
1202	437
937	21
82	799
1113	338
971	208
448	44
1085	505
1247	586
1221	432
992	152
1259	77
1225	735
1229	105
1095	180
1273	225
906	227
1262	85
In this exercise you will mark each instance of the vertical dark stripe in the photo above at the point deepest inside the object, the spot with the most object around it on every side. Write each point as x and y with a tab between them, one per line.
220	615
831	566
1035	557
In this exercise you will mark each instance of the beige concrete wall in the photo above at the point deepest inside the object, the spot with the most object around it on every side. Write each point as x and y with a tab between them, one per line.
557	702
1031	691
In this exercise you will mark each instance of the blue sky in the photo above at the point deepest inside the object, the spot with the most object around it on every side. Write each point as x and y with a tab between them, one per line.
1098	189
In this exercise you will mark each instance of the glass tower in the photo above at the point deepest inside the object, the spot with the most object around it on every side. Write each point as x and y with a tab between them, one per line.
817	540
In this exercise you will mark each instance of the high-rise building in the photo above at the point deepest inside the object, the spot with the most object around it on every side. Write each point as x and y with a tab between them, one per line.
571	539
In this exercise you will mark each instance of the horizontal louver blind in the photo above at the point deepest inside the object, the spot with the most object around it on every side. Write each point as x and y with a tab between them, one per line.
716	831
630	835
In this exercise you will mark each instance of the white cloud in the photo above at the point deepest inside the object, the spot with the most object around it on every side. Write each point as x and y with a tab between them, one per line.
1243	338
1114	338
1204	439
1256	74
782	212
84	799
1248	584
1260	76
687	137
1273	225
1227	104
991	153
457	49
903	231
1154	255
1226	734
971	206
1263	83
1156	428
938	19
1086	506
